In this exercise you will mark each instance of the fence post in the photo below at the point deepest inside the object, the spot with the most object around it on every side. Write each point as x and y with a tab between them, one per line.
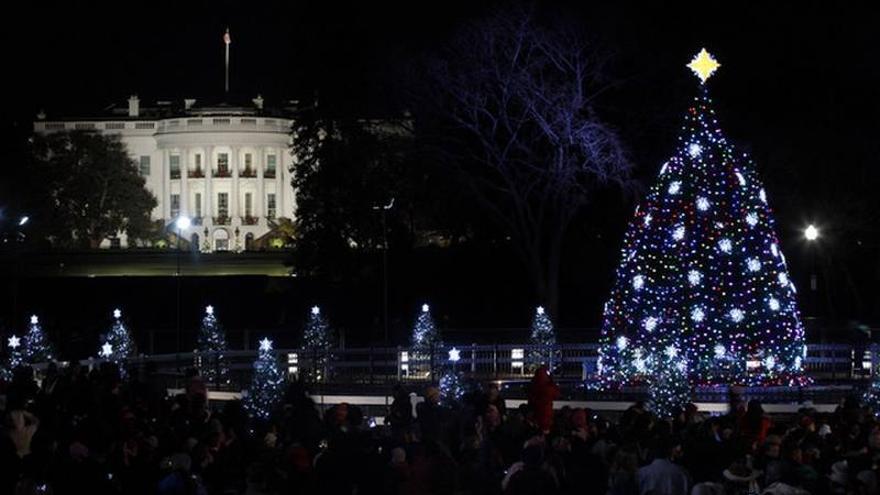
398	363
473	359
371	364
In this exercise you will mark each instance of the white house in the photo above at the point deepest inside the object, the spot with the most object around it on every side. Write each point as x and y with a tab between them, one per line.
224	166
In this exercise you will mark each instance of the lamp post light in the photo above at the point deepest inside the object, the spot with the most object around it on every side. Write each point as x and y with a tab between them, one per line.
182	223
384	210
811	234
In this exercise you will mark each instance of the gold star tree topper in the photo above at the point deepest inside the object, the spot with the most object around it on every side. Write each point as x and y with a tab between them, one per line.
704	65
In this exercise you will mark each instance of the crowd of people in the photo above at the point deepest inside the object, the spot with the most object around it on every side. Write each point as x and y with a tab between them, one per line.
89	431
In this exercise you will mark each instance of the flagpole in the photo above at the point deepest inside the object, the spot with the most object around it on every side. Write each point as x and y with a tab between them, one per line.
227	40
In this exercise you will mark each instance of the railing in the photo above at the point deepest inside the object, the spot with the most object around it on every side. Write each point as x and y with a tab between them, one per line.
249	220
175	174
196	174
356	368
222	173
248	173
222	220
269	173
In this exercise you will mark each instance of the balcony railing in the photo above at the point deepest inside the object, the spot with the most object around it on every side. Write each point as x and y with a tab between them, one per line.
222	172
196	174
248	172
269	173
222	220
249	220
175	174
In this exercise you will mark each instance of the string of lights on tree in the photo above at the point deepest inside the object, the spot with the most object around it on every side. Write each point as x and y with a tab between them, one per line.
118	343
36	347
425	334
452	382
212	340
543	337
702	273
267	383
317	341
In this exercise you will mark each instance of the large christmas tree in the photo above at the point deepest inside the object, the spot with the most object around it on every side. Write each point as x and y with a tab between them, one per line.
702	272
118	345
36	347
267	384
212	340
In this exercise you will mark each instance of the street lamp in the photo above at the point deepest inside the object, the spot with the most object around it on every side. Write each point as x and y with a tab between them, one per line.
384	209
182	223
811	234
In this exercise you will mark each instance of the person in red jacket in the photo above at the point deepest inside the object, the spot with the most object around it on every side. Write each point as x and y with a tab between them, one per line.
542	393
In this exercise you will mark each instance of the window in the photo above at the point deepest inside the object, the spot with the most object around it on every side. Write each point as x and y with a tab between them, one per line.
270	165
270	206
144	165
198	159
223	164
248	204
175	205
248	161
174	166
197	205
223	205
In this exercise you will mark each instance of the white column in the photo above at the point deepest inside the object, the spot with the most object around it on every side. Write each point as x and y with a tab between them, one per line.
233	203
259	201
184	178
208	212
166	186
280	207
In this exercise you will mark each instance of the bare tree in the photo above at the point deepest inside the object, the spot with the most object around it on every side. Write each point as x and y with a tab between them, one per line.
525	132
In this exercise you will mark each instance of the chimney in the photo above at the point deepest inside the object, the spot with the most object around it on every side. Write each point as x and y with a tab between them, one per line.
134	106
258	102
188	103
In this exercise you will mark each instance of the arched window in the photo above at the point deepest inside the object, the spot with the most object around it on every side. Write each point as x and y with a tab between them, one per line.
221	240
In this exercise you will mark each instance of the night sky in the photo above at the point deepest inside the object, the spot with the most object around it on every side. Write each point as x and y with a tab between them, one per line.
798	86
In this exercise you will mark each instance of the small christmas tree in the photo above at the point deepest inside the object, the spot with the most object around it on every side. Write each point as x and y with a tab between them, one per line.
425	335
36	348
317	342
452	386
543	338
669	387
267	383
118	344
872	395
14	359
212	340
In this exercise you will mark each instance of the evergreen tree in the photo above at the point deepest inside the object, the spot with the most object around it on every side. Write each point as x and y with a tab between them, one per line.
14	357
267	384
317	342
452	383
36	347
425	335
212	340
702	264
118	345
872	395
669	387
543	338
